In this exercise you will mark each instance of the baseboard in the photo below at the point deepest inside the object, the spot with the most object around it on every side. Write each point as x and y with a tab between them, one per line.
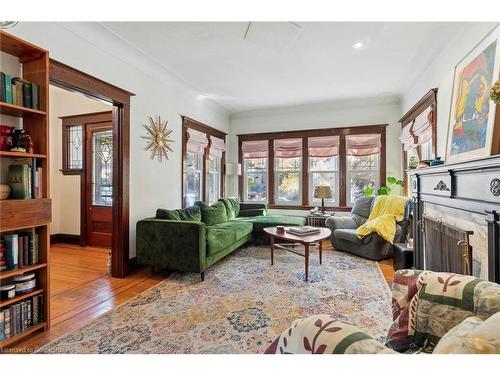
72	239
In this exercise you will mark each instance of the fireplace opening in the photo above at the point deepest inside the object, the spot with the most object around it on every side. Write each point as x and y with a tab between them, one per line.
446	247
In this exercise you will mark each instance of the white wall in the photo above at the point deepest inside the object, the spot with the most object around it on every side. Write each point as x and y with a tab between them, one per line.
86	47
65	189
440	74
368	111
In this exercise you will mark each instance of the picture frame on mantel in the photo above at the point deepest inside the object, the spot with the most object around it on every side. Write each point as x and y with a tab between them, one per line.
474	121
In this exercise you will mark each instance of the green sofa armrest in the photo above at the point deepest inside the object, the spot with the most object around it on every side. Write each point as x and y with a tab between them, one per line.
170	244
252	209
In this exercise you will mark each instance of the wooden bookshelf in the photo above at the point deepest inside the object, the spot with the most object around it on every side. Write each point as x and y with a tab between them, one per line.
23	214
20	298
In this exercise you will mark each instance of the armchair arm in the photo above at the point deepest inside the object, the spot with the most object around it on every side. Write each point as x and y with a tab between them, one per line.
177	245
324	334
341	222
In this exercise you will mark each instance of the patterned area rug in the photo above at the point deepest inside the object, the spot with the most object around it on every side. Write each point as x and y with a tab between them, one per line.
241	307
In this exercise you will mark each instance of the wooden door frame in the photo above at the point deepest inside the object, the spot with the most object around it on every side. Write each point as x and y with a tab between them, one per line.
83	119
71	79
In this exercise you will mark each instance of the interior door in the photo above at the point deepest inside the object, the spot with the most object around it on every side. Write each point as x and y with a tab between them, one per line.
99	183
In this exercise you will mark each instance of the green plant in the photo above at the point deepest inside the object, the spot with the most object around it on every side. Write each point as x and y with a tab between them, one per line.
384	190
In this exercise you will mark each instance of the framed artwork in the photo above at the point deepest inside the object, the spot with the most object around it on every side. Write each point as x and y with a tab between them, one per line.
474	124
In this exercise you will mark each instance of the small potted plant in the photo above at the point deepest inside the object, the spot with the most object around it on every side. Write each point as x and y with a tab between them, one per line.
495	92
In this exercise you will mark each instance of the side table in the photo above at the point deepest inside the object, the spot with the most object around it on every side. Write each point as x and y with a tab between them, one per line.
318	220
402	256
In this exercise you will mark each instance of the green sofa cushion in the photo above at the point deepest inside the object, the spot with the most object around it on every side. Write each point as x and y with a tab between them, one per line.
214	214
192	213
260	222
232	205
221	236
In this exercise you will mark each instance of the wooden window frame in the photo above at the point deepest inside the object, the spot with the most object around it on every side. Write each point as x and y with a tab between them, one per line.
428	100
305	135
189	123
66	170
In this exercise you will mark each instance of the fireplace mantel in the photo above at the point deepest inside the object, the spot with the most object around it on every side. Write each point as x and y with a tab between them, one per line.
472	186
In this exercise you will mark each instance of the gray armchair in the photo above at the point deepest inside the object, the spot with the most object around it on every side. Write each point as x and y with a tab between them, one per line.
372	247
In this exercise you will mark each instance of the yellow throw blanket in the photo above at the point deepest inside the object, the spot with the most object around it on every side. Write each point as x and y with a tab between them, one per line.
387	210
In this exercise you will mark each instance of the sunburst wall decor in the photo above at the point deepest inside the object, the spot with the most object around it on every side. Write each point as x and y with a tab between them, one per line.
158	138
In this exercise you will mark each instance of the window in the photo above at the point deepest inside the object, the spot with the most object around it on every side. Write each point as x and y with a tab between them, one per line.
255	171
72	148
203	178
193	182
363	164
283	168
102	168
324	167
288	170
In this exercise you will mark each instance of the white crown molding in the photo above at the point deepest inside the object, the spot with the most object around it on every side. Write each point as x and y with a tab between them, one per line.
106	40
352	103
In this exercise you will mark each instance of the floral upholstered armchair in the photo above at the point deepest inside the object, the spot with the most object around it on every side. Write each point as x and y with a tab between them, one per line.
432	312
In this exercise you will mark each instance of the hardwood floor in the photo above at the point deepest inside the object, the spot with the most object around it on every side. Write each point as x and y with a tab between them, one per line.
81	290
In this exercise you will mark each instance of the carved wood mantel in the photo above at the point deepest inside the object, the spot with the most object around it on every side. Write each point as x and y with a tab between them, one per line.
472	186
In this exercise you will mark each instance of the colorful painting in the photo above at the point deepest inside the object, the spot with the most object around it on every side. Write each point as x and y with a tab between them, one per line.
472	117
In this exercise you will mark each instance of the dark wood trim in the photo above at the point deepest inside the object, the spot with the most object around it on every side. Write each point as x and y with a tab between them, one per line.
197	125
74	80
305	134
364	129
270	173
428	100
189	123
241	185
342	173
305	171
383	159
72	239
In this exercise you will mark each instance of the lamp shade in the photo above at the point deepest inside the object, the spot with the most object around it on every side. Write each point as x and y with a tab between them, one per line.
233	169
322	191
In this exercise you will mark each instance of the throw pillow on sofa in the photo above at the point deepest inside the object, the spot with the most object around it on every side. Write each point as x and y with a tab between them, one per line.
192	213
472	336
232	205
214	214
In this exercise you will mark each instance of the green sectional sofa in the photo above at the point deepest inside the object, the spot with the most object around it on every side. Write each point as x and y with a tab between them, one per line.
194	238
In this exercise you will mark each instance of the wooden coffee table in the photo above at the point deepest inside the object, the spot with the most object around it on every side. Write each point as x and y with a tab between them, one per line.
306	241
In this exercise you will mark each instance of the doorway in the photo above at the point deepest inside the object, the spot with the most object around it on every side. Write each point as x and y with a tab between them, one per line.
68	78
99	183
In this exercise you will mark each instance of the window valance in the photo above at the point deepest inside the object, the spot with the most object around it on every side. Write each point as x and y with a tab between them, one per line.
363	144
217	146
197	141
419	131
254	149
324	146
288	148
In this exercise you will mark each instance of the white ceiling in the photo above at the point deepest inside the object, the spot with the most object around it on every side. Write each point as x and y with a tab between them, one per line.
281	63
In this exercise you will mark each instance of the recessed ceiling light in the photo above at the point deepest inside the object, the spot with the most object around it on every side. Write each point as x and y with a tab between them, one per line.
357	45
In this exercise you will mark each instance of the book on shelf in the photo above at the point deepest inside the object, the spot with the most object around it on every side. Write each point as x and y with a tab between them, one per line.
19	91
25	179
20	249
19	316
303	231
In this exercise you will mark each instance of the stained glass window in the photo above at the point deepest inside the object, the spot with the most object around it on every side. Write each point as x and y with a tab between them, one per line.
102	168
73	148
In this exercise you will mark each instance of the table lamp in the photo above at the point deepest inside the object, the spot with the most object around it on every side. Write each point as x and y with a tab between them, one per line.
323	192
